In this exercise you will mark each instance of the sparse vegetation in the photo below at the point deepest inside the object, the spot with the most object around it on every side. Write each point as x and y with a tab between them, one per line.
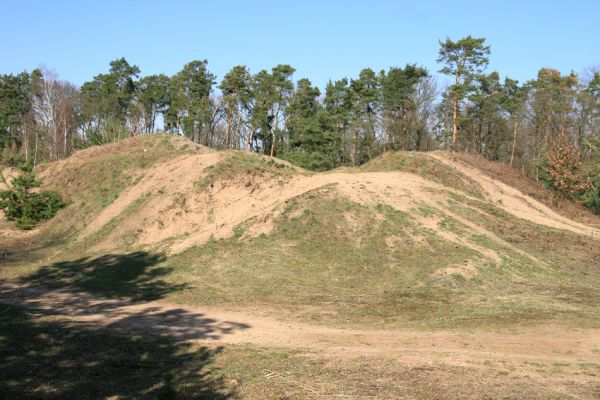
427	167
362	263
240	165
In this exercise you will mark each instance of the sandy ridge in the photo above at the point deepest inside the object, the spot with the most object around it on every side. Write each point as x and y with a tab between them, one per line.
514	201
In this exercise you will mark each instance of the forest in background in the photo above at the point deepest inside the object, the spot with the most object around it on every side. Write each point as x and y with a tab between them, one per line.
549	126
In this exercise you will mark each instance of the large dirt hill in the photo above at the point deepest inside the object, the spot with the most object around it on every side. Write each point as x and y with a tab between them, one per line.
401	237
171	193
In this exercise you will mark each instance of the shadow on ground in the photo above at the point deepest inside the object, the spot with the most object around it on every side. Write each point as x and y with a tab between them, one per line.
134	275
100	312
45	358
84	329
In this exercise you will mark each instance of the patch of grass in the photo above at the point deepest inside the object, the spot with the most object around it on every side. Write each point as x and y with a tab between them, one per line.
243	164
138	275
452	225
103	173
559	366
589	368
485	241
238	232
267	373
427	211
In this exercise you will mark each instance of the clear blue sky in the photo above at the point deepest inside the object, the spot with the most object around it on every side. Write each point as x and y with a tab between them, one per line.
322	39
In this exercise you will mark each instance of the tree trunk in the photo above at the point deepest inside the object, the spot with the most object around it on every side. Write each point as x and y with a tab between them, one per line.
26	140
446	128
65	139
353	153
388	134
228	132
284	130
514	143
236	132
454	123
36	149
273	136
249	139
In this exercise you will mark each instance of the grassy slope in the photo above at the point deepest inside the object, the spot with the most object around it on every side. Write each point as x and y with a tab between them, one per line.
427	167
96	181
321	267
239	164
519	180
326	252
334	261
325	268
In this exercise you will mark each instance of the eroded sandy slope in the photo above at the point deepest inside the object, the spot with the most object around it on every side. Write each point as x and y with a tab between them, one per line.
167	206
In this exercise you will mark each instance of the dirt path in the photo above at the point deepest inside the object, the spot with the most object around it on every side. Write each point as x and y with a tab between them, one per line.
539	345
564	362
514	201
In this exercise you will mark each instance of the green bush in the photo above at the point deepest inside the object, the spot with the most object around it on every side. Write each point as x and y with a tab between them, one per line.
314	161
591	199
28	208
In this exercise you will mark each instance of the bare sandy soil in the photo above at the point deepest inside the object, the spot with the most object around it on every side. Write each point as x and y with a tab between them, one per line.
514	201
179	211
164	205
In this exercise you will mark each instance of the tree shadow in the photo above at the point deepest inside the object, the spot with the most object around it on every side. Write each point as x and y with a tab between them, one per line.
134	275
99	312
45	358
89	332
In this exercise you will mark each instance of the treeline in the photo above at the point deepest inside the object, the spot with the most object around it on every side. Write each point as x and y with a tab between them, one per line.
352	121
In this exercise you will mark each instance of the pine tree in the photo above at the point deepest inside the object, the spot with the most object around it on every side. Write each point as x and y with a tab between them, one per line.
465	60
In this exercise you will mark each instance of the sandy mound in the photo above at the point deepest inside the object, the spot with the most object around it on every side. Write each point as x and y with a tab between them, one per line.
168	182
175	211
185	198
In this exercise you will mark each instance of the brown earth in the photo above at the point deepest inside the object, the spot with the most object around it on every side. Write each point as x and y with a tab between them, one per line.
514	201
179	211
524	354
165	207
